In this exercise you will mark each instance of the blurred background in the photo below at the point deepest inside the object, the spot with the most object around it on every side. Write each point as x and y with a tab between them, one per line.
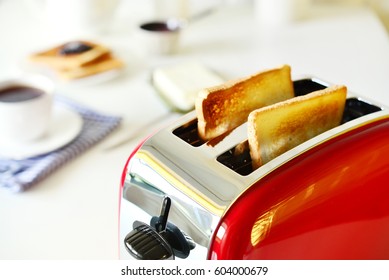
341	41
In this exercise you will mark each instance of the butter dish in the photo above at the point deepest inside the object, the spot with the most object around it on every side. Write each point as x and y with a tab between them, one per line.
178	84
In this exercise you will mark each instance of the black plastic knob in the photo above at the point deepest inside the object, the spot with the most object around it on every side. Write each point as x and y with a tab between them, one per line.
144	243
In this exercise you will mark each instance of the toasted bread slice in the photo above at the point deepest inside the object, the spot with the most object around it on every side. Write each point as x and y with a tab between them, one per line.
222	108
275	129
55	59
102	64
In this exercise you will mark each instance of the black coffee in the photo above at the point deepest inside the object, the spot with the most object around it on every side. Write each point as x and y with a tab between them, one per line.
19	93
157	26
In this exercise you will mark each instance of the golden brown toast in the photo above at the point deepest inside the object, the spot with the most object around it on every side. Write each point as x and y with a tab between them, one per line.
102	64
222	108
275	129
55	59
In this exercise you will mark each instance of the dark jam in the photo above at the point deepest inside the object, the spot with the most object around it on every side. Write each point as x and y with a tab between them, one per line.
74	47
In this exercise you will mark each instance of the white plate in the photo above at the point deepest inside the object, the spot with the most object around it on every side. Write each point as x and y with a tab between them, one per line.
65	126
91	80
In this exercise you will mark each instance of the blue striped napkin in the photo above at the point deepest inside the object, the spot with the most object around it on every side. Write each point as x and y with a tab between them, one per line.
20	175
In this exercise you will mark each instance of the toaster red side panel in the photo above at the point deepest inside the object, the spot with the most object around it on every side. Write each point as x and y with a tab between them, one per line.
331	202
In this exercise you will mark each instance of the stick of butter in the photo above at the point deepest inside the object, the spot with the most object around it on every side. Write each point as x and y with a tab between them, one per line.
179	84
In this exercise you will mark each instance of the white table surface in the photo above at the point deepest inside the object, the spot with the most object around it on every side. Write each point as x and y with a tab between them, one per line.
73	214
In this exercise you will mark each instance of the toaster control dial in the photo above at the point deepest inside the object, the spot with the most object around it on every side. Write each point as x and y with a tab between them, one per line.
161	240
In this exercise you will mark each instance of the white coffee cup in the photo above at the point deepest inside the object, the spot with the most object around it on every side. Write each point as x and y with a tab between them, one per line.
161	37
25	108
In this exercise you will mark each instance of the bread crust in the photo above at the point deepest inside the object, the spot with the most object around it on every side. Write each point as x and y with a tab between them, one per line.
54	59
102	64
73	66
275	129
222	108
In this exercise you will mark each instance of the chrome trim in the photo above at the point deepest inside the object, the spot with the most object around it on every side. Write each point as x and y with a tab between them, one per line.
201	188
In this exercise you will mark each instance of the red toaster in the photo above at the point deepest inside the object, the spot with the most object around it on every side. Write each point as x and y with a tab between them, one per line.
327	198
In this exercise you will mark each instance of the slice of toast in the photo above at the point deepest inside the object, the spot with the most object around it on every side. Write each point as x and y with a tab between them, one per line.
102	64
275	129
54	58
222	108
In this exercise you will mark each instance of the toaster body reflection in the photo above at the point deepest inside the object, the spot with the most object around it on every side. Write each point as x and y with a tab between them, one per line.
327	198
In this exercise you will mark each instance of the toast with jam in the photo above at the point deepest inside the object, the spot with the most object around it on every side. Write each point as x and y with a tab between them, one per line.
77	59
70	55
102	64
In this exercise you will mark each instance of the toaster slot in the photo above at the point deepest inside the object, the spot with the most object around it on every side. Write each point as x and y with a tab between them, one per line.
238	158
305	86
188	133
354	108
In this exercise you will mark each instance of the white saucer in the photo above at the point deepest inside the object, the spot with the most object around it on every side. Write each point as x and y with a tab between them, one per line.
65	126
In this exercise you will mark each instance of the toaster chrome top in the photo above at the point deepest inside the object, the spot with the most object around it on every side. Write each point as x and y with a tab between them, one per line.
203	179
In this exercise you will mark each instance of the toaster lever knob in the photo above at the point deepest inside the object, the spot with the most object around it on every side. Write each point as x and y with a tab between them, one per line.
161	240
160	225
145	243
180	242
